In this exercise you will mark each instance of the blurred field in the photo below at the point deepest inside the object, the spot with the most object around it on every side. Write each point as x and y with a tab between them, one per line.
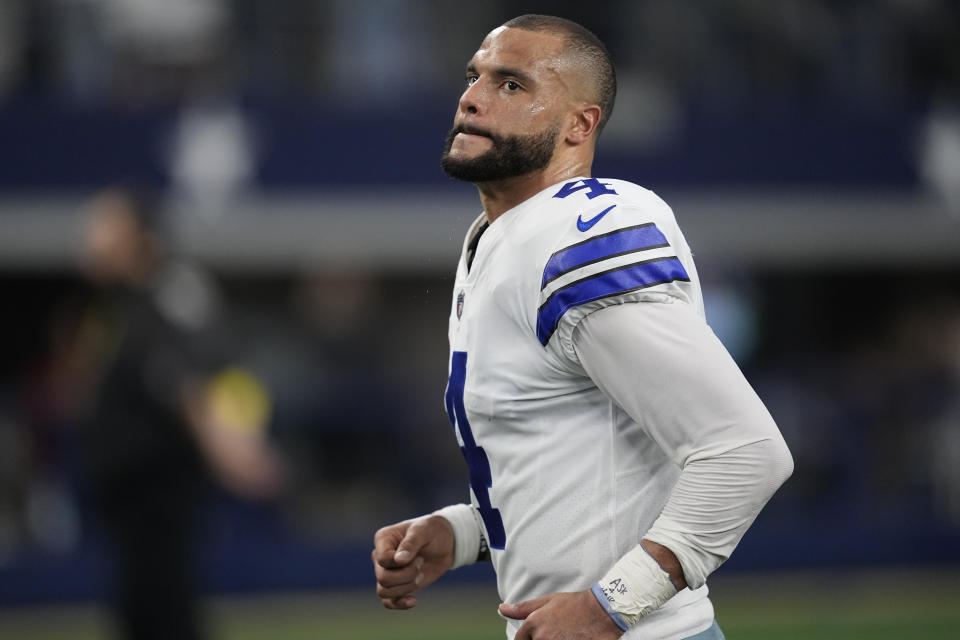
821	605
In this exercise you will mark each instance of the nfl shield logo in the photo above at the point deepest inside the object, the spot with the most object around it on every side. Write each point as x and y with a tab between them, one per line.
460	297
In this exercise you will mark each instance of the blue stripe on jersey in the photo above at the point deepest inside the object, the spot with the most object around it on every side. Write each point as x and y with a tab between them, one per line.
608	245
481	479
624	279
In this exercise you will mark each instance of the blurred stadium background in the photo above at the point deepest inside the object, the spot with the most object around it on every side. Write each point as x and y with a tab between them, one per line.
811	152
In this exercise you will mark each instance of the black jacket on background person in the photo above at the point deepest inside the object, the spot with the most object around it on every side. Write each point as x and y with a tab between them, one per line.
145	467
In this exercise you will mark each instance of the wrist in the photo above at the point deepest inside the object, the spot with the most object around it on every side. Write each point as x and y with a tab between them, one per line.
634	586
604	603
467	537
603	624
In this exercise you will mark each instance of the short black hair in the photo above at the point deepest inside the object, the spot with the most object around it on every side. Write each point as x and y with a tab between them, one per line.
584	45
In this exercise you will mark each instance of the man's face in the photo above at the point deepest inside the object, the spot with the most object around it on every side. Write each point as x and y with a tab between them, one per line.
508	120
114	245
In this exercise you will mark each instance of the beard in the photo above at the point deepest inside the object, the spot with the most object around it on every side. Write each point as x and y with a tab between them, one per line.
508	157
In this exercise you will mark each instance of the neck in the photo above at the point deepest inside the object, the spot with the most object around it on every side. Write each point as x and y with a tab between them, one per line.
502	195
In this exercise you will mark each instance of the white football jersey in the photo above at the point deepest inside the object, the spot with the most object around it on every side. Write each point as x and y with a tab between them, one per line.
564	480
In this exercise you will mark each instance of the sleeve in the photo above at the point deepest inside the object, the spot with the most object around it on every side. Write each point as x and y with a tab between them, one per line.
635	253
662	364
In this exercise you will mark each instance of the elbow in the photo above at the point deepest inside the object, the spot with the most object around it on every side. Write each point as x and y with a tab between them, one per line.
788	463
779	461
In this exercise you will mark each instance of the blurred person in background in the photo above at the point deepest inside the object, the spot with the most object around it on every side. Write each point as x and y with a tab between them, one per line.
617	454
165	409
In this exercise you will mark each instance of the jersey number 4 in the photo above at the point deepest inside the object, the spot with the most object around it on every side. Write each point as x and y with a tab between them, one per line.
594	188
481	480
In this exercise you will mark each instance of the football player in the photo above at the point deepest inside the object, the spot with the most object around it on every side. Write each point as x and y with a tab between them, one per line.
616	453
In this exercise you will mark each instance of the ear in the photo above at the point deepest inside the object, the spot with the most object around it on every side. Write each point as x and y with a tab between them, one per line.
585	120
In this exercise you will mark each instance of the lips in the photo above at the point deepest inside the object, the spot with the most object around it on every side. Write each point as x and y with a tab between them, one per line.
471	131
475	135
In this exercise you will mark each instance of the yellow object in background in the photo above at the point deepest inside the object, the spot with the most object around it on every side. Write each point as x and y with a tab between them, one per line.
239	400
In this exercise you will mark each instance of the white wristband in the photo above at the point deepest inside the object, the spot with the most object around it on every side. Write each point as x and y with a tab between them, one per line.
467	536
635	586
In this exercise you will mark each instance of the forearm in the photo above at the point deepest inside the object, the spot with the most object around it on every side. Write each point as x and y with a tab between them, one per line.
709	510
667	560
715	501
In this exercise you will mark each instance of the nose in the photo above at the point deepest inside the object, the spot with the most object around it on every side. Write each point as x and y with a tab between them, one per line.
471	99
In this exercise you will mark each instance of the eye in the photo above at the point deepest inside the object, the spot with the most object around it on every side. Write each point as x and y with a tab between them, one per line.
471	80
511	85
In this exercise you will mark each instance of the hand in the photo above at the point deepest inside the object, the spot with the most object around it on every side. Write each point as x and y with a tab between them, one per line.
563	616
410	555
